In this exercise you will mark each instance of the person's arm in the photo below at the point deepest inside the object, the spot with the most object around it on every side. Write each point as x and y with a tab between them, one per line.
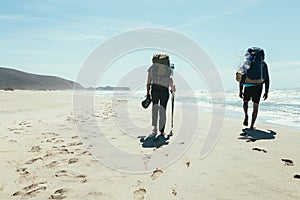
172	86
267	82
148	84
241	94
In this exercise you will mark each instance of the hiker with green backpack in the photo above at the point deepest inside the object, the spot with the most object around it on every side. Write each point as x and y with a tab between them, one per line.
159	80
252	75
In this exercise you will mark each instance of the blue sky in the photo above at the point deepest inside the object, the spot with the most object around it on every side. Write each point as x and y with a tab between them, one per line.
55	37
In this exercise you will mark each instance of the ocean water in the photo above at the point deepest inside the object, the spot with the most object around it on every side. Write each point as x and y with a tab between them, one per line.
282	107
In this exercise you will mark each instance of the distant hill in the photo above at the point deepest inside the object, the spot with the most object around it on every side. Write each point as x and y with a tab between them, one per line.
14	79
110	88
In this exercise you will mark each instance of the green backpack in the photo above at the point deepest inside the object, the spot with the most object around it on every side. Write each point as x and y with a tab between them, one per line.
160	71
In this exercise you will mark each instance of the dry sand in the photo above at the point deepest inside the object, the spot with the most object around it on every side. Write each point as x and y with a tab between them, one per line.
42	156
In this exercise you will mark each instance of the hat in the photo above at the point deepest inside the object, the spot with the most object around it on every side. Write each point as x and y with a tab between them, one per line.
146	102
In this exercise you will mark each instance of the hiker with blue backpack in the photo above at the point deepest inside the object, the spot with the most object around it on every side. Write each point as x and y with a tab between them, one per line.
252	75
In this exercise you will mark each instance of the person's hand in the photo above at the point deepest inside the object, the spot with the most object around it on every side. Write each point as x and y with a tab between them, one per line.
241	94
265	96
148	95
173	89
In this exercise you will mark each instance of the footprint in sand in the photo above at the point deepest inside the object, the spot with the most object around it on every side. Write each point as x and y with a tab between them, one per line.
50	133
75	144
31	190
146	160
156	173
52	140
95	194
70	177
64	151
26	124
35	149
61	173
52	164
82	152
69	119
59	194
258	149
16	130
25	175
174	193
22	171
33	160
287	162
139	194
48	154
188	163
17	193
59	141
73	160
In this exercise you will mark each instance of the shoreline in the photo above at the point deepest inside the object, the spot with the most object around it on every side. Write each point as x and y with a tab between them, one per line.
263	115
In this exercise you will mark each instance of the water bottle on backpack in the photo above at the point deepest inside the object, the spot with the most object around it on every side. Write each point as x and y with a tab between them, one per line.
244	67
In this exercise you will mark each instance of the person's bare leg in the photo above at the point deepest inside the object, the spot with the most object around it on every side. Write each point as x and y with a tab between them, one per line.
254	114
155	108
154	130
245	106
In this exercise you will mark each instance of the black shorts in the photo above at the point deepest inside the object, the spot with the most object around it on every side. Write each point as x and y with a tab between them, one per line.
253	92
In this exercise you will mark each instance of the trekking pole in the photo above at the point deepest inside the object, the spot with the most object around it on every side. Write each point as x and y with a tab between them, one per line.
172	113
172	101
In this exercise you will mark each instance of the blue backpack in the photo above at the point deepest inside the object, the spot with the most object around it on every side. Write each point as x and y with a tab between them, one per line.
257	70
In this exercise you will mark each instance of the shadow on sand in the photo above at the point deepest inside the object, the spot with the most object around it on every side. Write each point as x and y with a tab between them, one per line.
151	141
251	135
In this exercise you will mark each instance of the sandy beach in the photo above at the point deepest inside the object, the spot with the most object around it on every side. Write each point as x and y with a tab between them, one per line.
42	156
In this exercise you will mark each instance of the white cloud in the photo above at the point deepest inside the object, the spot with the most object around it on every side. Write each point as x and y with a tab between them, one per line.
195	21
11	17
17	18
75	36
232	7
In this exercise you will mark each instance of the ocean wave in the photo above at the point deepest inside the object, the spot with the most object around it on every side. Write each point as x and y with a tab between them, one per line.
281	108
